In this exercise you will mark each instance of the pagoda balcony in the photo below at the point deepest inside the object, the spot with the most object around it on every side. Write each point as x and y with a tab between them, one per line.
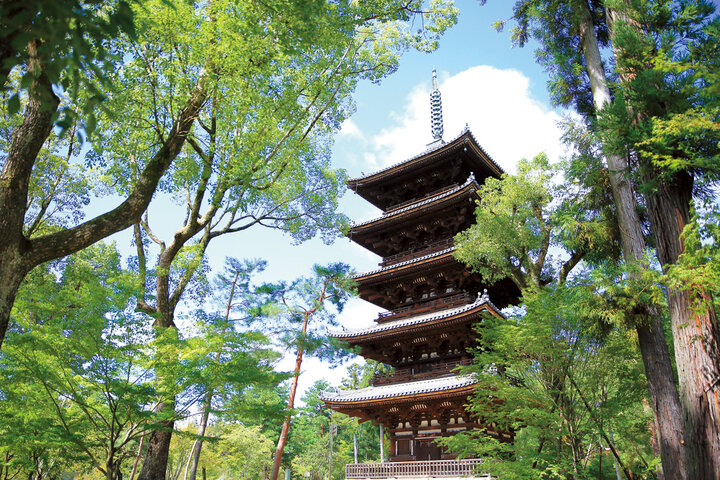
417	252
468	468
410	374
419	308
415	200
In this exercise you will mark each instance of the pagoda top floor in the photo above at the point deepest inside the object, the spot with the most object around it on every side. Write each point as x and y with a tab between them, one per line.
442	165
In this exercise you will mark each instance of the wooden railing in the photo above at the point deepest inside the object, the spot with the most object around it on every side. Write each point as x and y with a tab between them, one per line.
417	252
424	307
431	468
413	200
417	372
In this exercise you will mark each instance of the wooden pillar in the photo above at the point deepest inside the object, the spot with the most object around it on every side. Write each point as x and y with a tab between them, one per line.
382	444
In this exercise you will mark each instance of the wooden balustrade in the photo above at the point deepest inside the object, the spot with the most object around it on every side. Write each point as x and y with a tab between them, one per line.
414	200
424	307
417	252
431	468
418	373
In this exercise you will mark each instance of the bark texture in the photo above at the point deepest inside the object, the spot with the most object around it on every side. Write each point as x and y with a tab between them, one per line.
694	326
291	404
654	351
156	459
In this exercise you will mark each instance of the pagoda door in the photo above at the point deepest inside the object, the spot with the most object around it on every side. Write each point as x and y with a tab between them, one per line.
427	450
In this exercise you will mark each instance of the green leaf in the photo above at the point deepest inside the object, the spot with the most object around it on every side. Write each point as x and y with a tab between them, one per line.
13	104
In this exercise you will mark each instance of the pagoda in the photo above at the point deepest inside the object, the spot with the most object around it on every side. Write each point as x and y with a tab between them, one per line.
432	301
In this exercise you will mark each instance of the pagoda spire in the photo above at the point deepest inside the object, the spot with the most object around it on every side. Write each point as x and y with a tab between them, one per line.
436	119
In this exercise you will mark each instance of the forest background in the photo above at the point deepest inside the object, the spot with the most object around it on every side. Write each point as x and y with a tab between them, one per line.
107	383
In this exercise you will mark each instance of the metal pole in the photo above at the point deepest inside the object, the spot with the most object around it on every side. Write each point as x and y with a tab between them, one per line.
382	444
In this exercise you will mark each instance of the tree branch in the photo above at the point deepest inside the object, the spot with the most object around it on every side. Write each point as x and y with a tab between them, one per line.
129	211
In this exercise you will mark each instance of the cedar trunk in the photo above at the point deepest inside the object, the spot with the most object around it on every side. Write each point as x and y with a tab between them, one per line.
692	315
694	325
654	351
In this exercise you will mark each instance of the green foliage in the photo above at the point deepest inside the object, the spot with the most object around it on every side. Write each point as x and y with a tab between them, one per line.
512	235
308	446
666	113
71	41
558	373
554	24
76	365
306	307
522	220
545	377
698	268
238	451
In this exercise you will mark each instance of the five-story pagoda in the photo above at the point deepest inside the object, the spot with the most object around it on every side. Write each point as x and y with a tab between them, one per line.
432	300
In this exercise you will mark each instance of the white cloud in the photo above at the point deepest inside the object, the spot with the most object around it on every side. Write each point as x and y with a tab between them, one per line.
497	105
350	129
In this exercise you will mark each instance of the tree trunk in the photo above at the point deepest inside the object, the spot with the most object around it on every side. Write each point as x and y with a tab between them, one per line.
25	144
694	326
137	457
653	348
290	405
201	433
155	464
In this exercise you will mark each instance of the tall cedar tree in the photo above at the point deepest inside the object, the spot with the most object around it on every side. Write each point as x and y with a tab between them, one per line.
576	30
669	129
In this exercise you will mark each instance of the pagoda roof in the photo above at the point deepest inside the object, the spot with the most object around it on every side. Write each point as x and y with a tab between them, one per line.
400	390
434	151
471	183
406	263
481	303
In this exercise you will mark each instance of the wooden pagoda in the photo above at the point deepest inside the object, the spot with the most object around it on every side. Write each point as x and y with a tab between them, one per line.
432	300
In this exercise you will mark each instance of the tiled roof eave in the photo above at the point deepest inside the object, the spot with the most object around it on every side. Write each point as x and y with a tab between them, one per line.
399	391
470	184
429	153
406	263
482	303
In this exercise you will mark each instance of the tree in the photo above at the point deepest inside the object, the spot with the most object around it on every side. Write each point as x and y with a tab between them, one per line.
536	364
236	365
519	221
90	49
65	46
576	30
270	91
666	57
240	452
304	300
77	362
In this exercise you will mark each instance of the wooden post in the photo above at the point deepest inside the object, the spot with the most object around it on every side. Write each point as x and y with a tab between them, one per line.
382	444
355	446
